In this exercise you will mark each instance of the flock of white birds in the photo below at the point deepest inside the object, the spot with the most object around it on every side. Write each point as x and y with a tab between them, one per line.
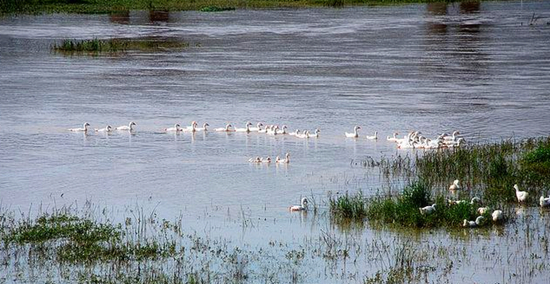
497	215
413	140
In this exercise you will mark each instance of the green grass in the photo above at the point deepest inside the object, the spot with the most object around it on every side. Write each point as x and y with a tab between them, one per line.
348	206
491	170
216	9
110	6
404	209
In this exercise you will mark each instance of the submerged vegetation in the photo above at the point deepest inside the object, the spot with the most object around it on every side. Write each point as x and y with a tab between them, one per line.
117	45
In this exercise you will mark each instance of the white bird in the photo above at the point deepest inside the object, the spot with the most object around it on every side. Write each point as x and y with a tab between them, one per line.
451	138
203	128
475	200
176	128
470	224
267	160
355	133
273	130
482	210
255	160
473	224
394	138
227	128
245	129
521	195
315	134
304	134
192	128
129	127
295	133
497	215
427	209
286	160
258	127
83	129
373	137
301	207
456	143
544	202
107	128
284	129
455	185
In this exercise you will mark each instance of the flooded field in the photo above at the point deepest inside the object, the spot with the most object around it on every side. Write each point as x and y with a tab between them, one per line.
481	68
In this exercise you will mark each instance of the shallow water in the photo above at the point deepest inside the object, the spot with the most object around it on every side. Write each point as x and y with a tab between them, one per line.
478	68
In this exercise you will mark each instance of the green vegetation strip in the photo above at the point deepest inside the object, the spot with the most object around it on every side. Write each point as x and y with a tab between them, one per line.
111	6
117	45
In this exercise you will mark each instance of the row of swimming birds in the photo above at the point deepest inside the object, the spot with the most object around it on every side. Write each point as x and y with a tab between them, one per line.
497	215
413	140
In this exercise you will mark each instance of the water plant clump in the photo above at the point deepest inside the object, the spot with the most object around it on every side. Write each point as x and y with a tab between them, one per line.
415	207
348	206
212	8
118	45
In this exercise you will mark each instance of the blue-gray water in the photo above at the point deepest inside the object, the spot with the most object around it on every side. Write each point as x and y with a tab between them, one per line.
478	68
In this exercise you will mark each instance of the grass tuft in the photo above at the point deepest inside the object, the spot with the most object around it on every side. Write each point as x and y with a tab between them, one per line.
348	206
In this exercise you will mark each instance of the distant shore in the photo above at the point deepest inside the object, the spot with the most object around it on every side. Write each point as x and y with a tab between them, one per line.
114	6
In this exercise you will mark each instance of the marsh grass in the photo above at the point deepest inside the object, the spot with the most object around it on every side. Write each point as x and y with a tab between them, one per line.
96	46
348	206
404	209
216	9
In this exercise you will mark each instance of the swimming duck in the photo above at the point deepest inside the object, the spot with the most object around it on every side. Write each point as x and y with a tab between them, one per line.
129	127
83	129
355	133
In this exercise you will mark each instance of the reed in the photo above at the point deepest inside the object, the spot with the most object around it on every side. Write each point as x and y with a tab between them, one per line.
117	45
348	206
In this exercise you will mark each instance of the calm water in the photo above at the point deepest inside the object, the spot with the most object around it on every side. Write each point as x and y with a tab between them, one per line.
478	68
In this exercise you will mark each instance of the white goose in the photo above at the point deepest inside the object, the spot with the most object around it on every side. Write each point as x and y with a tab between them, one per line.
284	129
355	133
107	128
315	134
455	185
176	128
453	137
203	128
295	133
245	129
83	129
227	128
258	127
267	160
303	135
273	130
394	138
482	210
373	137
129	127
544	202
255	160
473	224
192	128
521	195
497	215
459	142
286	160
301	207
427	209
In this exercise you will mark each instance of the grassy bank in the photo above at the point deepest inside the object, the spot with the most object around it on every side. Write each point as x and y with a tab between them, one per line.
111	6
486	173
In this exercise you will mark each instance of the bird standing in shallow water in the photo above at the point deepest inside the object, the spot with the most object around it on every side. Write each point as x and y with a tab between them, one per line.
521	195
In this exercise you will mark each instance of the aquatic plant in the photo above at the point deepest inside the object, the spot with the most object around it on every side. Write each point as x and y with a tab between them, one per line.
117	45
216	9
404	209
348	206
